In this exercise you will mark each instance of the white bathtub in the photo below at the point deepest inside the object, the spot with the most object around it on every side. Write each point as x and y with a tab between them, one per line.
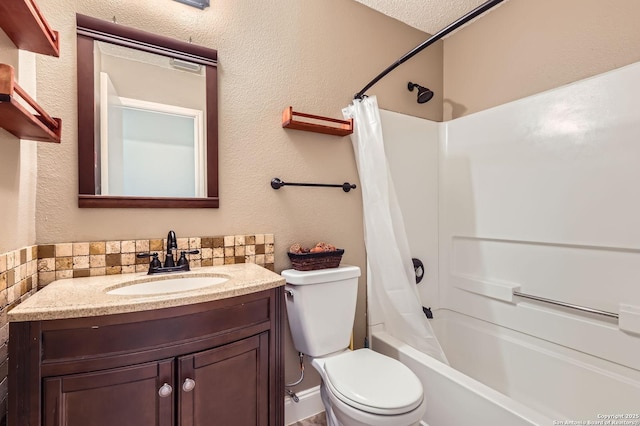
501	377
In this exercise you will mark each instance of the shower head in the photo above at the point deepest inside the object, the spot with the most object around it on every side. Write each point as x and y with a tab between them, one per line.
424	94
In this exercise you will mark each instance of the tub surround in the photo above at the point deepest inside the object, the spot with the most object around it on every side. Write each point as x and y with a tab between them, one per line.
87	297
530	195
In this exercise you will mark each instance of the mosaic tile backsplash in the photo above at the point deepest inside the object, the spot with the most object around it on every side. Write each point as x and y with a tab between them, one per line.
18	281
84	259
18	274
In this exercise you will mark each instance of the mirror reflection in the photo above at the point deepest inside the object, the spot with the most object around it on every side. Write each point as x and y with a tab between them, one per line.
147	119
150	134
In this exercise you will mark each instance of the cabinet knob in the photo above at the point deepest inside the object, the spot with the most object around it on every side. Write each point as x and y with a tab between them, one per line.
165	390
188	385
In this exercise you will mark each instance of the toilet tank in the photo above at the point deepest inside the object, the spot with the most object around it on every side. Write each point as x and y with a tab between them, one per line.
321	306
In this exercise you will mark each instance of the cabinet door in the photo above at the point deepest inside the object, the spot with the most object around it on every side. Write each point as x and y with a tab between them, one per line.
228	385
128	396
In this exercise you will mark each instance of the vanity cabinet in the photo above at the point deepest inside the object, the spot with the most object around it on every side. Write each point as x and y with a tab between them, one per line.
214	363
119	396
219	379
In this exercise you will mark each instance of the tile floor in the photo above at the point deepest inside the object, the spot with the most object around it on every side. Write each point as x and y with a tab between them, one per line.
317	420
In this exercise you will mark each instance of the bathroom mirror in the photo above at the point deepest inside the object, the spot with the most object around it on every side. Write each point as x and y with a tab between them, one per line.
147	119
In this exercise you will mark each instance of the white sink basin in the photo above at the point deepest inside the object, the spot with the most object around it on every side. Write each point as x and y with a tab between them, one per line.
171	285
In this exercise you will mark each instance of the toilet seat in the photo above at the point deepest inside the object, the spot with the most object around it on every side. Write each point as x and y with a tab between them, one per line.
373	383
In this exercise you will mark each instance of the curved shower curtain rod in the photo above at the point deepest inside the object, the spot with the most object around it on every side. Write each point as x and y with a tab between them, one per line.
437	36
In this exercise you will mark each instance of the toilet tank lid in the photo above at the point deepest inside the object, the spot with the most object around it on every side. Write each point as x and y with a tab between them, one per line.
342	272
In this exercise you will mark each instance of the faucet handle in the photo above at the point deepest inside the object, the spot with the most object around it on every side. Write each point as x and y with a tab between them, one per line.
183	258
155	262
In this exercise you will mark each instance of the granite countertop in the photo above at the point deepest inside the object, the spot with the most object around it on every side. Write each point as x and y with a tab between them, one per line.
87	297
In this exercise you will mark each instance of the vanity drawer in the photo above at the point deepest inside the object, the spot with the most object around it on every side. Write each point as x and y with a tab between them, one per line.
88	338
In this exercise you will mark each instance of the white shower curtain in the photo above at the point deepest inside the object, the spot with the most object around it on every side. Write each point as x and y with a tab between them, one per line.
391	274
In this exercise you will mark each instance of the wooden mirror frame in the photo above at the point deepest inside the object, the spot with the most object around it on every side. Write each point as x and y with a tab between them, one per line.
91	29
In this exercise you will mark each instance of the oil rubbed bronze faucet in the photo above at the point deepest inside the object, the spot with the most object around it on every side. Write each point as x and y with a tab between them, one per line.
156	267
172	244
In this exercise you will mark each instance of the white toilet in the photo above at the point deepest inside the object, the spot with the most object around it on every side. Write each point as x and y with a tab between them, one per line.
359	388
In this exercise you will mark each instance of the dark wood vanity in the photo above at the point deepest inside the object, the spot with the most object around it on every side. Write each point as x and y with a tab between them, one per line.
213	363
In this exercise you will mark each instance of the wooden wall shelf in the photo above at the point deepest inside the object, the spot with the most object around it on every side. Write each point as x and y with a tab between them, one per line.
16	119
26	27
343	128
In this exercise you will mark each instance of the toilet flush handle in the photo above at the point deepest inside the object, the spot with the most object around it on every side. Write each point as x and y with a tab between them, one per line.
288	293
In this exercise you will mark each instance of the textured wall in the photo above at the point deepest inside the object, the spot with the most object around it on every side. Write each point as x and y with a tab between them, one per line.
18	163
313	55
18	173
525	47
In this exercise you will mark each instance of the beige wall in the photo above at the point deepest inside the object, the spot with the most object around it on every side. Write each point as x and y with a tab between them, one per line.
525	47
18	163
313	55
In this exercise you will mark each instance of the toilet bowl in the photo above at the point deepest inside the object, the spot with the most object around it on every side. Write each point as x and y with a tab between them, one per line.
361	387
365	388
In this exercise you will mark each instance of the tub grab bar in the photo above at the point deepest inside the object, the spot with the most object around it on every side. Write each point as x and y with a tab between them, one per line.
567	305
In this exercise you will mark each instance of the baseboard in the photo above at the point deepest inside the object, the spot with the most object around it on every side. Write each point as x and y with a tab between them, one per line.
309	405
